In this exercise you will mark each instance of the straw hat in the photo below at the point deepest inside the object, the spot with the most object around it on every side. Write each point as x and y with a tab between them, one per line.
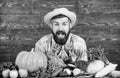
71	15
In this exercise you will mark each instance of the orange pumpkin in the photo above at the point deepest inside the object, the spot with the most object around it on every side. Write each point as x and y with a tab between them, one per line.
31	61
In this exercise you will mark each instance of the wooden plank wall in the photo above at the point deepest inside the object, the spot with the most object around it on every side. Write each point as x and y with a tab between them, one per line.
21	24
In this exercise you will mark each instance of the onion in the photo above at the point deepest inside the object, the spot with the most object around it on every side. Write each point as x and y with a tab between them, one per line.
23	73
5	73
13	73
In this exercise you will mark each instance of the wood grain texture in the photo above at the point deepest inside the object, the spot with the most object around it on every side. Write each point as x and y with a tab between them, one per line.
21	25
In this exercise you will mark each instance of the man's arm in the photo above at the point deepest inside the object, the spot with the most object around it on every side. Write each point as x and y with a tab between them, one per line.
40	48
80	49
41	45
79	54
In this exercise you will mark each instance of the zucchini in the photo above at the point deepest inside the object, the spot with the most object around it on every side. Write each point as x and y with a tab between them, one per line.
106	70
115	73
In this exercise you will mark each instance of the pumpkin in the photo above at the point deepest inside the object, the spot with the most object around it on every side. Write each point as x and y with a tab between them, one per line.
5	73
23	73
31	61
13	74
95	66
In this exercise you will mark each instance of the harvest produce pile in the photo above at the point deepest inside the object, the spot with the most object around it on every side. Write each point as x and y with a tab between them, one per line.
9	69
35	64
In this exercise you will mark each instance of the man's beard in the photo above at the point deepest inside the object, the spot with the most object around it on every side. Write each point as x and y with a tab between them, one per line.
60	37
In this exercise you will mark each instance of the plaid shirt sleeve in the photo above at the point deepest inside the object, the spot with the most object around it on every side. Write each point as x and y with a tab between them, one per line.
42	44
80	49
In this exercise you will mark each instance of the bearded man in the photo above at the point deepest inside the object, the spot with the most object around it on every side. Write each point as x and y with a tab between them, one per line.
61	45
61	41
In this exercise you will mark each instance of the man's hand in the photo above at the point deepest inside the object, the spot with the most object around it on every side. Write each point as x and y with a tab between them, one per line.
63	54
82	64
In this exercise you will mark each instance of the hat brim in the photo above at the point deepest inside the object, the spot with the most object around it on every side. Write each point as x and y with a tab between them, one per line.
69	14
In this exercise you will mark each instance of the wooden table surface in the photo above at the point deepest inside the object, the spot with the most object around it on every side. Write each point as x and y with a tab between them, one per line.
72	77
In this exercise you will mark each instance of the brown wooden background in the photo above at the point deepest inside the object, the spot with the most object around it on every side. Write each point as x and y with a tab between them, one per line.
21	24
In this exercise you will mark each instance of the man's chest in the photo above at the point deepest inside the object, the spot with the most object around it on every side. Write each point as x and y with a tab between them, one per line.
65	52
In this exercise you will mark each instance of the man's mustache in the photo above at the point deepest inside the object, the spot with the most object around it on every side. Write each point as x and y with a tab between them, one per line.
60	32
